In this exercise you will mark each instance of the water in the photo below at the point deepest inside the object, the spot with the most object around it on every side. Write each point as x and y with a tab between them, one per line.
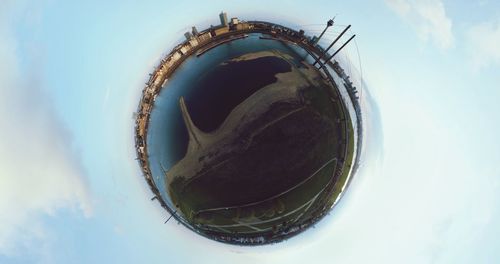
226	86
211	92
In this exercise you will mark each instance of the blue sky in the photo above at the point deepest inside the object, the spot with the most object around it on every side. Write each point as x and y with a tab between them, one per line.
71	76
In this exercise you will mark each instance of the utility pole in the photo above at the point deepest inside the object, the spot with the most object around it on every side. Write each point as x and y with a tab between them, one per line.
341	47
331	45
328	24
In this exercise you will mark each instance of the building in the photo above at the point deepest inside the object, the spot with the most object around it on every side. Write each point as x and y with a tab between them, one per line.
158	80
314	40
185	49
188	35
223	19
204	37
176	56
193	42
242	26
233	25
194	31
216	31
142	127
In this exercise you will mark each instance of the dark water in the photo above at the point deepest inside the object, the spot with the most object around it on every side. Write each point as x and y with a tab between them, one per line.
226	86
211	89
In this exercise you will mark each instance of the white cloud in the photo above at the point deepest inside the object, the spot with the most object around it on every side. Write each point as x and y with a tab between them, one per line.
428	18
483	43
40	171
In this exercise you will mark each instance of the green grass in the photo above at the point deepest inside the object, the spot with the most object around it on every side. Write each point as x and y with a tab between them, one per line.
342	181
276	212
267	211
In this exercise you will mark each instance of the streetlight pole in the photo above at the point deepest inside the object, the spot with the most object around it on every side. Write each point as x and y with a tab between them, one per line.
331	45
341	47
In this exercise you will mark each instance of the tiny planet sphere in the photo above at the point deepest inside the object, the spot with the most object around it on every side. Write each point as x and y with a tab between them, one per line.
248	142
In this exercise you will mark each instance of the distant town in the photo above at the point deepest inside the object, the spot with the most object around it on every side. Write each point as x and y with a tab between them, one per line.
198	43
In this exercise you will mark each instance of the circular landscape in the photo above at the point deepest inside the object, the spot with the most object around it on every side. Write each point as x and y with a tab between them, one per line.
241	138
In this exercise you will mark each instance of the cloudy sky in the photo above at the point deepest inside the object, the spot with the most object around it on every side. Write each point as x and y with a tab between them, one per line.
70	79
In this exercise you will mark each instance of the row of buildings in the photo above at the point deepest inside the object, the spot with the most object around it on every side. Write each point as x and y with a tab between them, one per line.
234	24
158	78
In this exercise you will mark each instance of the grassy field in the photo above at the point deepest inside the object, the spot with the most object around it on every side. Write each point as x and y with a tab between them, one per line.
295	170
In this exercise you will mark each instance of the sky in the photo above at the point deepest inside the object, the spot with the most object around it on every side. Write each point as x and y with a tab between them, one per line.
71	74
